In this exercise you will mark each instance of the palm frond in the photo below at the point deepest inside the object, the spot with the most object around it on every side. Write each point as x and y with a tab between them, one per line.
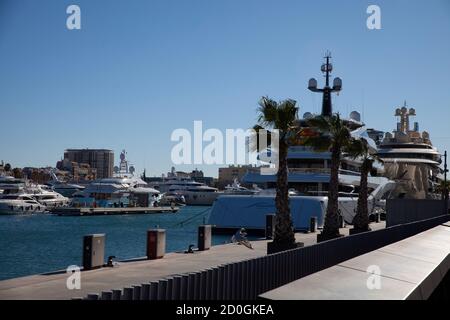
287	114
356	148
267	112
318	143
275	115
321	123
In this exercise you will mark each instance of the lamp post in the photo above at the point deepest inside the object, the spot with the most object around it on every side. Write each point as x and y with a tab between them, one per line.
445	183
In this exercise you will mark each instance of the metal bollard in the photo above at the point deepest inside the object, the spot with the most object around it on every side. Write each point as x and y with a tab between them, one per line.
204	237
156	243
93	251
313	224
92	296
341	221
270	226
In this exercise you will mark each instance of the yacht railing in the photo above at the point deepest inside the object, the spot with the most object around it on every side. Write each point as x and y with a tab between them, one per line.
349	172
325	194
312	171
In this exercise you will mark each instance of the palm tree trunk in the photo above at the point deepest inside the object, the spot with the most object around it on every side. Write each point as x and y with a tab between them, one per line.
331	224
284	231
361	220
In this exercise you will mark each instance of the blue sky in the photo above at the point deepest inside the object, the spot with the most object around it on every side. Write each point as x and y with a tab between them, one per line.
137	70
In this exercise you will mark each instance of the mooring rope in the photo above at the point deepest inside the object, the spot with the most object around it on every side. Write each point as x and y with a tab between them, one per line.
190	218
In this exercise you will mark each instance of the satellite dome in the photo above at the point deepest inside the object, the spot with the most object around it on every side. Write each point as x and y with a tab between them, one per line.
355	115
312	83
307	115
337	83
412	112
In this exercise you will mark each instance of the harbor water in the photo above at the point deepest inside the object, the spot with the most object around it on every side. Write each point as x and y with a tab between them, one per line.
32	244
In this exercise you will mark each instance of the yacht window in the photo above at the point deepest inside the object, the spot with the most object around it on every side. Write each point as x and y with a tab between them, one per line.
10	197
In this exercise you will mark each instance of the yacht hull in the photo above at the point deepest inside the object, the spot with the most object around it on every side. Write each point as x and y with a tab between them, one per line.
234	212
200	198
20	210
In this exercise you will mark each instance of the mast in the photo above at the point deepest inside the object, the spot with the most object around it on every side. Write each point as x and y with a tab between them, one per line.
327	67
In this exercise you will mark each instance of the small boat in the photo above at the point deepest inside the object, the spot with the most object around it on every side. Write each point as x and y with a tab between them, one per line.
237	189
172	198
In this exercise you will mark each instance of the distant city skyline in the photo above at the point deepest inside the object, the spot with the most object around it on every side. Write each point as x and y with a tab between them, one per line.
138	70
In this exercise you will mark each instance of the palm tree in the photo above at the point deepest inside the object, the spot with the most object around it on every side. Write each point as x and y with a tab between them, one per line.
280	116
333	136
359	148
443	187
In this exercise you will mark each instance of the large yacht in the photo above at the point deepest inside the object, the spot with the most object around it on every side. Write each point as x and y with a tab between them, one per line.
64	188
309	175
10	185
41	193
67	189
308	181
124	189
118	191
194	193
47	196
410	158
20	204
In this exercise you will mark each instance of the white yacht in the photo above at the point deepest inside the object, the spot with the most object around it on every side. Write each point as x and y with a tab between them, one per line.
116	192
122	190
45	195
20	204
309	176
172	198
410	158
9	185
308	194
67	189
237	189
64	188
195	193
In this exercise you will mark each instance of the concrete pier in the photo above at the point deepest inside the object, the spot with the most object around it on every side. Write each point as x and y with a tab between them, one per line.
126	274
410	269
